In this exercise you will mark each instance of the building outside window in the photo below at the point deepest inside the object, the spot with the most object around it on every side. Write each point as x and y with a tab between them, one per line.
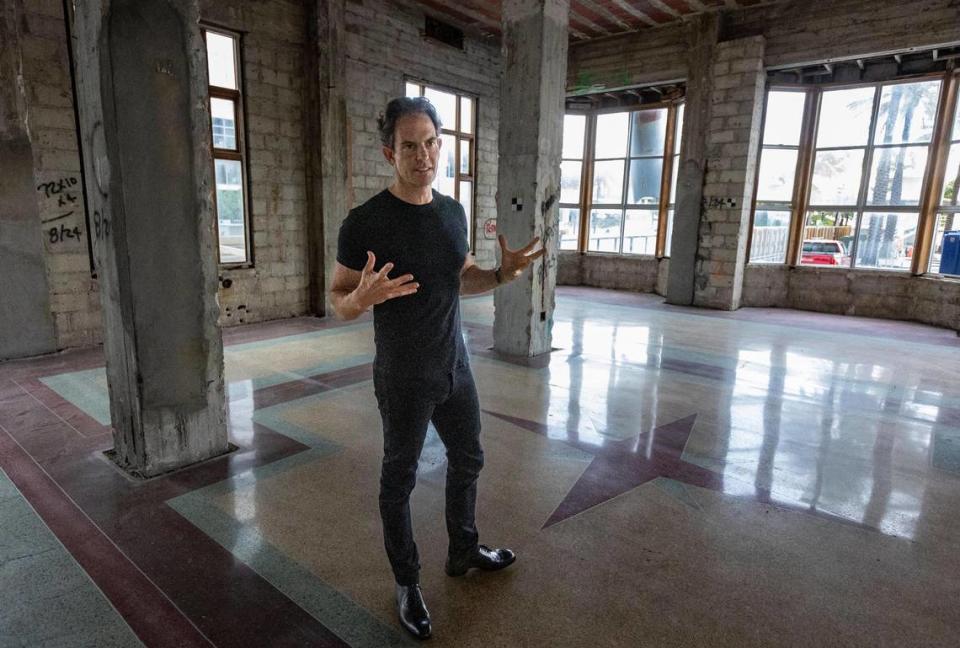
226	114
843	172
456	175
617	180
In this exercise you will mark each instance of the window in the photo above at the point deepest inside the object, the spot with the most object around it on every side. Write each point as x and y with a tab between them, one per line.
847	187
617	177
571	180
458	117
775	180
865	190
948	210
226	110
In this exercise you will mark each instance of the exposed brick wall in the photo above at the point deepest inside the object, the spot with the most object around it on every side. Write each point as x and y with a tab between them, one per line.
74	299
634	273
384	45
272	50
272	60
733	139
650	56
867	293
569	269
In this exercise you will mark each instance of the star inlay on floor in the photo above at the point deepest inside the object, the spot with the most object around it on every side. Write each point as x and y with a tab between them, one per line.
620	465
778	478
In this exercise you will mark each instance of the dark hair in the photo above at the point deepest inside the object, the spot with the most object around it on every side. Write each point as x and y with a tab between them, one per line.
397	108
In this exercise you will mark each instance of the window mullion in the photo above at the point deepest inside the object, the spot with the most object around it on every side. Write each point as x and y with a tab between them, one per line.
666	176
586	189
659	249
865	174
803	180
936	167
756	173
227	154
623	194
456	154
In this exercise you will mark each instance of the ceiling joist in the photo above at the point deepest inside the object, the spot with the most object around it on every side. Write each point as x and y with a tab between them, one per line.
589	19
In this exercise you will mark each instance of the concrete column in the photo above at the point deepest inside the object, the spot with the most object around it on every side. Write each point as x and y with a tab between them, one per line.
26	326
145	130
535	40
702	35
327	129
733	141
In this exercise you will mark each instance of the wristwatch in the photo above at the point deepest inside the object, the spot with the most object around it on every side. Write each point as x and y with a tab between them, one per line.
496	273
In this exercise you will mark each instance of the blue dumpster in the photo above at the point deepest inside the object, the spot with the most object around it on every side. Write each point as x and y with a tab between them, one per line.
950	253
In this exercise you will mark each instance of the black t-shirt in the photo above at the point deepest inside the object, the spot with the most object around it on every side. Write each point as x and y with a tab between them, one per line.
416	335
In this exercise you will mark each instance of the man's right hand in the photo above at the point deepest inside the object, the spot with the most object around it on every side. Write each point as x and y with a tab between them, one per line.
376	287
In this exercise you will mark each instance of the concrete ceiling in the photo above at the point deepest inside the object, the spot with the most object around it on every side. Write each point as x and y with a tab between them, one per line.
589	19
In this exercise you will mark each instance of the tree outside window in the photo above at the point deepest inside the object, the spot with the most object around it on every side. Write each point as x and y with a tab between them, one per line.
863	164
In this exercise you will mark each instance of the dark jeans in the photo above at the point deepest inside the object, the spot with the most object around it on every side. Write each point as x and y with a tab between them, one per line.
407	406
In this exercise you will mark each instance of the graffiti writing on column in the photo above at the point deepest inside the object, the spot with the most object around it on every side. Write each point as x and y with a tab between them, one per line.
101	226
61	188
64	191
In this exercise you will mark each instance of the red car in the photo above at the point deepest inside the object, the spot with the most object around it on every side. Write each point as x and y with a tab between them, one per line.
823	252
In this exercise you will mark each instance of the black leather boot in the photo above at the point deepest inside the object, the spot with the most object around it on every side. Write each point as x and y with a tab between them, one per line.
413	611
483	558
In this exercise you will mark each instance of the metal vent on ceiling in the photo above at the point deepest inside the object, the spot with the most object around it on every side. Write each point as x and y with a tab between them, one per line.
442	32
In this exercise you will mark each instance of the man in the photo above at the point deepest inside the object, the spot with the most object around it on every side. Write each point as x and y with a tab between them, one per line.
421	370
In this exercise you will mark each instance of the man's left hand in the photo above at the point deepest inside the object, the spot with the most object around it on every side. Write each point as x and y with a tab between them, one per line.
514	262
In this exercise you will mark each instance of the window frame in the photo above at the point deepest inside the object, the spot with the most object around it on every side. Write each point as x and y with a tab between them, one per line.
927	205
798	194
668	158
458	135
671	159
237	155
947	112
583	174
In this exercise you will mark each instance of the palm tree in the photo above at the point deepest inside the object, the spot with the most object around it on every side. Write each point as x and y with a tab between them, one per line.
871	247
881	245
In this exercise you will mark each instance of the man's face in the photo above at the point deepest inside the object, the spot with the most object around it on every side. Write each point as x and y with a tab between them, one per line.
416	150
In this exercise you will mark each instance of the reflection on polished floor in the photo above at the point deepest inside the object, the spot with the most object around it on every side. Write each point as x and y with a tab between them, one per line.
668	477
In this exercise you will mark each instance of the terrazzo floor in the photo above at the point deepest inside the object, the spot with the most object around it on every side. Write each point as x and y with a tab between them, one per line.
667	476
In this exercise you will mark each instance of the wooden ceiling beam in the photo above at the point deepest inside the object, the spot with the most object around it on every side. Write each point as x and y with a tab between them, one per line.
579	35
608	15
589	19
654	12
639	14
590	13
586	20
665	8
